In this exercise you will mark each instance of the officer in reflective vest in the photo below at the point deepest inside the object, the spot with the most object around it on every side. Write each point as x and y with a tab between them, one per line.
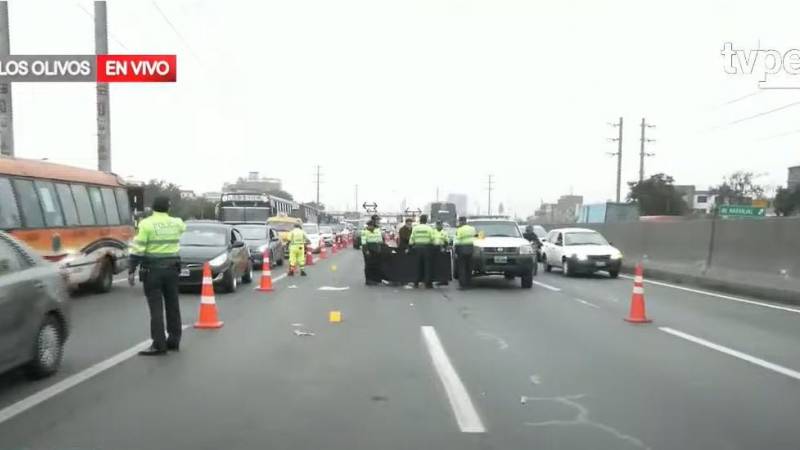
371	244
155	248
422	242
465	235
440	243
297	242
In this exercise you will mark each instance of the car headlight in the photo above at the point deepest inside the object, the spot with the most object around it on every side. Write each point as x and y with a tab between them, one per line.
219	260
580	257
616	255
526	250
263	248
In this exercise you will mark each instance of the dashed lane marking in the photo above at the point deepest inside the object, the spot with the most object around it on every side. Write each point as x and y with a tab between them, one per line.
547	286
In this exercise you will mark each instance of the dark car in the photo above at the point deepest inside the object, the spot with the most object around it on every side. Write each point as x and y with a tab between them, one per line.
225	250
33	310
259	238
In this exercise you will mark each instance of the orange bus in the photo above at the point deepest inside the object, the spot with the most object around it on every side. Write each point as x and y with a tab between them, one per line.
77	218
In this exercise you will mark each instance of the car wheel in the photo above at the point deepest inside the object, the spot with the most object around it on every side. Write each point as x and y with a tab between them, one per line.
248	274
105	279
613	273
48	350
565	269
547	267
527	280
229	281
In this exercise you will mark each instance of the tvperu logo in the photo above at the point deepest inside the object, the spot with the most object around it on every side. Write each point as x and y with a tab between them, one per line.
136	68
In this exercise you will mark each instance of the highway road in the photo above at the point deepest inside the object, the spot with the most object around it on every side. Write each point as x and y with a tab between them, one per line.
494	367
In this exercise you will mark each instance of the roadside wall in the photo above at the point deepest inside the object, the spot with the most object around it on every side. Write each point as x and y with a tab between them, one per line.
757	257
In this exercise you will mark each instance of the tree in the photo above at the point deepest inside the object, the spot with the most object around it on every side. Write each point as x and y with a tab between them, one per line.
185	208
787	202
738	188
656	196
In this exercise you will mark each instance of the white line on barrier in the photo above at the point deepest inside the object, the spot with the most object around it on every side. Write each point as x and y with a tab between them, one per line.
735	353
547	286
71	381
466	415
714	294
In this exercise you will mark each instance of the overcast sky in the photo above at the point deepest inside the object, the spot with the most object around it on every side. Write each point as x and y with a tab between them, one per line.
403	96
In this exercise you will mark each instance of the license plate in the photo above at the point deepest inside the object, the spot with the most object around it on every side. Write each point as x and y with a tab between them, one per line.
184	272
600	264
500	259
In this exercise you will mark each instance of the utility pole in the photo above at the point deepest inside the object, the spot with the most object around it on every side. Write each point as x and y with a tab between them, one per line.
642	153
6	113
618	154
437	193
489	210
356	203
318	174
103	106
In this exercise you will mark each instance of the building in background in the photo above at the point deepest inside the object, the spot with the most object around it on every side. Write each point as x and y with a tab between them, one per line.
565	210
608	212
702	202
254	182
213	197
460	201
188	194
794	178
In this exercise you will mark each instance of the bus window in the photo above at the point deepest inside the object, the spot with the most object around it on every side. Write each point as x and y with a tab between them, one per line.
67	204
111	206
85	213
97	206
29	204
123	206
50	205
9	214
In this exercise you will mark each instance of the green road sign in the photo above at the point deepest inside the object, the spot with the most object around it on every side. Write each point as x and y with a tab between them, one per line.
742	211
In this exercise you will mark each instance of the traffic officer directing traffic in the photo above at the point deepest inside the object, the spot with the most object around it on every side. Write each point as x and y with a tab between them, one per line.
155	249
371	244
297	243
422	242
465	235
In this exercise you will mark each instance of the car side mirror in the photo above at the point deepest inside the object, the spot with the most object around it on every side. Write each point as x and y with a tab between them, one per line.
238	244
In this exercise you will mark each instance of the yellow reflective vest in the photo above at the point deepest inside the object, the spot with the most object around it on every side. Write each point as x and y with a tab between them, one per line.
158	237
465	235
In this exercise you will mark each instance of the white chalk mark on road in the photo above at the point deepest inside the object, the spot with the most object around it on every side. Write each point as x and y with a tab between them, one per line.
486	336
71	381
735	353
332	288
586	303
547	286
714	294
535	379
581	419
460	401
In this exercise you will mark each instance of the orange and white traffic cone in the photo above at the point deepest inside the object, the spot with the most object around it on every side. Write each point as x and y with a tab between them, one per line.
208	317
322	251
334	250
637	313
266	274
309	257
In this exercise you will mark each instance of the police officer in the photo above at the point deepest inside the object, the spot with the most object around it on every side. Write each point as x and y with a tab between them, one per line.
297	243
422	242
155	249
371	244
465	235
440	243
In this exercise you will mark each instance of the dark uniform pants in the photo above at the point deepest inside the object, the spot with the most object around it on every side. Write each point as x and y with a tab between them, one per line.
161	290
464	264
425	263
372	263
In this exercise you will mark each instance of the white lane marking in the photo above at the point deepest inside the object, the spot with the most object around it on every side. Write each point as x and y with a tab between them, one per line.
71	381
735	353
547	286
120	280
466	415
586	303
714	294
333	288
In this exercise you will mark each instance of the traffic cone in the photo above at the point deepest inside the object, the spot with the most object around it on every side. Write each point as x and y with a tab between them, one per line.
208	306
309	257
334	250
266	274
637	313
322	251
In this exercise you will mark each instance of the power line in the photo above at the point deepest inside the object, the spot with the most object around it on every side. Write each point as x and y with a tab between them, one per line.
91	16
778	135
175	30
780	108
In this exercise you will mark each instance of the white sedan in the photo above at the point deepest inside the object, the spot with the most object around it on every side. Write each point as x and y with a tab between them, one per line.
580	250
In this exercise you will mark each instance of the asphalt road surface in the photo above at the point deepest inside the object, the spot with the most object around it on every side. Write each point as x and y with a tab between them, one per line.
495	367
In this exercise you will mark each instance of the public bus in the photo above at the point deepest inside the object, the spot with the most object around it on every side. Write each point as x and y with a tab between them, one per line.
77	218
444	211
244	207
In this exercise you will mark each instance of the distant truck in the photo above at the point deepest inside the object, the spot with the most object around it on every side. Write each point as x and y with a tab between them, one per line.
608	212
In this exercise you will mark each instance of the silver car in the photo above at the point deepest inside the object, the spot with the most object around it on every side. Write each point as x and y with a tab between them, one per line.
33	310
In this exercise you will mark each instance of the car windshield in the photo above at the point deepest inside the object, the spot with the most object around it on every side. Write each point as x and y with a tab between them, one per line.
326	230
204	236
281	226
253	233
497	229
311	228
585	238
